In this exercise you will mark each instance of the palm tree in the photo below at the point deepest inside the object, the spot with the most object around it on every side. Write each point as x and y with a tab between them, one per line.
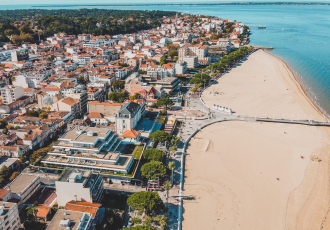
171	166
167	187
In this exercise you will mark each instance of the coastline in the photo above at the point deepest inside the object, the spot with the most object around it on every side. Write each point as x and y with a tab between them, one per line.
255	174
299	84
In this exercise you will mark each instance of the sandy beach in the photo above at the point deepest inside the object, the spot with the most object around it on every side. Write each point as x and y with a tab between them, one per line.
262	86
253	175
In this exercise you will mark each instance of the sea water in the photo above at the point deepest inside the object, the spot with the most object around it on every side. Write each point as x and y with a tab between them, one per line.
299	34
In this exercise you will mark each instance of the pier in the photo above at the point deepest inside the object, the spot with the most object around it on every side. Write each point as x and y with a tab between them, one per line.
261	47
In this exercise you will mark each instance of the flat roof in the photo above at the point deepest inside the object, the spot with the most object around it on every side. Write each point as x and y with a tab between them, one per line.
6	207
7	161
21	182
83	137
62	214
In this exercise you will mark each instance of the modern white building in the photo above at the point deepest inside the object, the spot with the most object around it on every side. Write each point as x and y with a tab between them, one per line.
79	185
89	148
65	219
181	67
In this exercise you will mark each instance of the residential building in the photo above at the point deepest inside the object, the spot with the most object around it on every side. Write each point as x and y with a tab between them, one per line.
68	104
9	216
200	51
90	148
92	208
11	93
107	109
23	187
192	62
64	220
181	67
78	185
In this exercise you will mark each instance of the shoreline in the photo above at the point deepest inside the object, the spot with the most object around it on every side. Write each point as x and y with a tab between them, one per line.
299	84
238	170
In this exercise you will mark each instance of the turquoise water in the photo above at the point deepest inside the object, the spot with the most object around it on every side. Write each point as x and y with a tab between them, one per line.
299	34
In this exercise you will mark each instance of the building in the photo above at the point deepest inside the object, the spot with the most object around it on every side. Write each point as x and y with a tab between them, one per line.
192	62
19	55
68	104
129	115
9	216
23	187
109	110
181	67
92	208
89	148
11	93
78	185
200	51
64	220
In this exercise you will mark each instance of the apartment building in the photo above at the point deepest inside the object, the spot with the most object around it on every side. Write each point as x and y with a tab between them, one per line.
200	51
64	220
9	216
23	187
89	148
97	43
181	67
109	110
79	185
11	93
192	62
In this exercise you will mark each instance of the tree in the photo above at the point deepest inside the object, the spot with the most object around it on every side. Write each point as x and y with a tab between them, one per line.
81	80
118	84
161	220
16	39
5	130
171	166
173	53
27	37
163	112
175	140
51	58
147	202
162	61
165	102
200	78
10	127
173	149
153	170
153	154
117	97
43	114
167	187
3	123
14	175
141	227
160	136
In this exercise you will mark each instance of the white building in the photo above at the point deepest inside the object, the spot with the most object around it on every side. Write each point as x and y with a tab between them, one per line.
181	67
128	116
79	185
11	93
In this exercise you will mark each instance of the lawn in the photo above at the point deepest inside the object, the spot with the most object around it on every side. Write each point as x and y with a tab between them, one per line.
137	152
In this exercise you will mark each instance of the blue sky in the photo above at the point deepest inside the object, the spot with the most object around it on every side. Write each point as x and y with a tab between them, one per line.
14	2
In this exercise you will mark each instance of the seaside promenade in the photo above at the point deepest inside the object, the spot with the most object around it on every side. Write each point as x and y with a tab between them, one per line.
193	126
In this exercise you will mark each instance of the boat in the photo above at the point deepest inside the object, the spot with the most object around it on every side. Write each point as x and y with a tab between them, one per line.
261	27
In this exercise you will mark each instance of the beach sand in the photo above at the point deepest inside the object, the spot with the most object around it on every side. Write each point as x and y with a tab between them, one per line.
262	86
253	175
